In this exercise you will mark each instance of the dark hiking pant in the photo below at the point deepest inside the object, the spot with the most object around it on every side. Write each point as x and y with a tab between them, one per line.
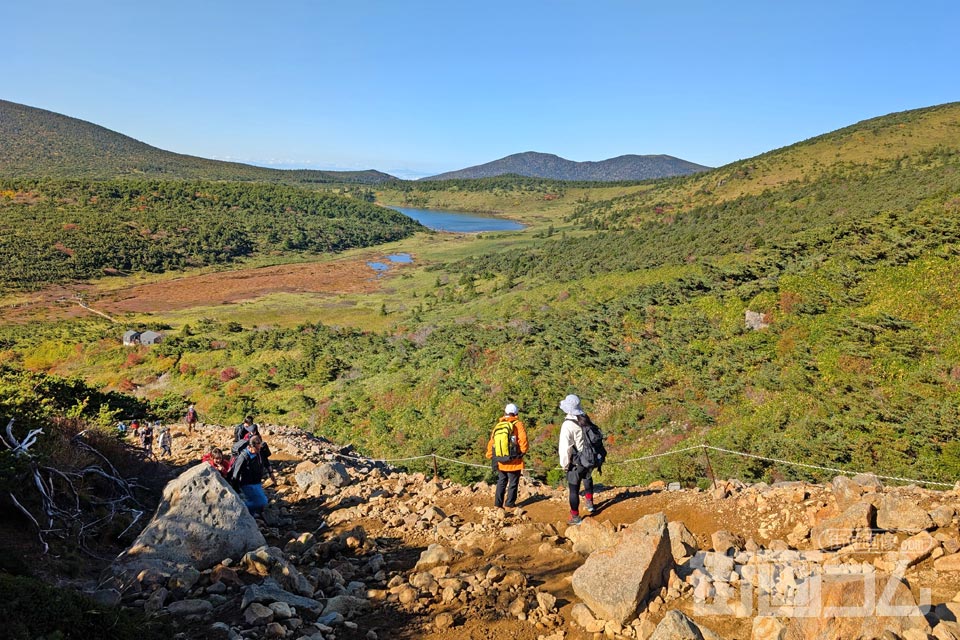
575	476
507	481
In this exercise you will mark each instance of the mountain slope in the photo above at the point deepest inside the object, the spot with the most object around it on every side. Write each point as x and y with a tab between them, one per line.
546	165
38	143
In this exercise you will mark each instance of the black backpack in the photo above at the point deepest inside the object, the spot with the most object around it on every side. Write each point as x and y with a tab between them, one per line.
594	453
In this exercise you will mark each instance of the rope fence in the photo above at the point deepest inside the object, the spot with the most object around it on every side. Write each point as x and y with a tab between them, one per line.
698	447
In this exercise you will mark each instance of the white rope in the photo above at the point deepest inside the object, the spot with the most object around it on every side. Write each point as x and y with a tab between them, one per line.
814	466
669	453
465	464
657	455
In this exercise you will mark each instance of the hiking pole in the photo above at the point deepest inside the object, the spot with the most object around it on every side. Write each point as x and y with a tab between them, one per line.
710	468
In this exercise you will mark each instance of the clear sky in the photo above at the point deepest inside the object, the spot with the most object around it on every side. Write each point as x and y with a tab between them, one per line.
421	87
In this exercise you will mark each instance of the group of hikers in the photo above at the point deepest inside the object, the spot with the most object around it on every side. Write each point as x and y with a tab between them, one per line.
145	431
247	465
580	449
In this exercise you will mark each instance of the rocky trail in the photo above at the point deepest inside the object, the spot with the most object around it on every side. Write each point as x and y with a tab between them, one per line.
352	548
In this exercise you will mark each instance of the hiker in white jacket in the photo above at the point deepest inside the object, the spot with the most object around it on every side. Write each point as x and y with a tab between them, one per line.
571	441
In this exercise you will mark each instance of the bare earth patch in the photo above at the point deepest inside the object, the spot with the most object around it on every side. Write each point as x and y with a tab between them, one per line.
353	275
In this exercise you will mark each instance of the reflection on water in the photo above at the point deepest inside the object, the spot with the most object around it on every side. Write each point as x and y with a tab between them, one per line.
457	221
382	267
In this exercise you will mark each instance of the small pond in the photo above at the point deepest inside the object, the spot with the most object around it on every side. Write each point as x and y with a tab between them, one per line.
383	267
458	221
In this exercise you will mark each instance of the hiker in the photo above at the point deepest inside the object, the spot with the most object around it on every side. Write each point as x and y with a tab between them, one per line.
246	474
246	429
164	441
215	458
121	429
145	434
507	445
572	443
190	418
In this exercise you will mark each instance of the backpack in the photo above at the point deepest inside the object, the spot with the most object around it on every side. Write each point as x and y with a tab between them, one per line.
594	453
505	445
191	414
240	432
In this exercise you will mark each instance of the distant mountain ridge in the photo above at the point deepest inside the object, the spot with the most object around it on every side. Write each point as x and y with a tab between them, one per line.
36	143
546	165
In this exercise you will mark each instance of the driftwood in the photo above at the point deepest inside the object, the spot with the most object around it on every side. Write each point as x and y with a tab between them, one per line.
66	508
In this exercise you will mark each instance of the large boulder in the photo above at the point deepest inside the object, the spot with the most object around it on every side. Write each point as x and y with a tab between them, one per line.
316	478
846	491
200	521
902	513
591	535
683	544
613	581
856	606
853	525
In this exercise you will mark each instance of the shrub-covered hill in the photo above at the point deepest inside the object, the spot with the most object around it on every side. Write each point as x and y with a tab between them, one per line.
56	230
909	137
39	143
853	268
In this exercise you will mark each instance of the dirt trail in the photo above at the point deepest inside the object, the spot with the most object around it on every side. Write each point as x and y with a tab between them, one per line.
551	573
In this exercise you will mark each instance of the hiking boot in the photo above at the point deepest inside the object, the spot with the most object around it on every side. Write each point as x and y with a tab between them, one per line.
574	520
588	506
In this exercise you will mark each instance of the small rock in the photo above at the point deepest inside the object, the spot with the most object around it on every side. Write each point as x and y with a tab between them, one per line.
443	621
257	614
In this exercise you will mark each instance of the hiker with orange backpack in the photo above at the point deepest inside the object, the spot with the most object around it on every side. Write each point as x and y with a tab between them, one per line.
506	448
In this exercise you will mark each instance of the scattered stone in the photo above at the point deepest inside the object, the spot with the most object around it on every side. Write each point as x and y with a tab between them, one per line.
434	555
828	616
726	543
257	615
443	621
191	607
768	628
270	561
677	626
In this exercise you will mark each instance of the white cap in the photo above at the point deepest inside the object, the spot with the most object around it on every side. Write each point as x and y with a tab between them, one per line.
510	410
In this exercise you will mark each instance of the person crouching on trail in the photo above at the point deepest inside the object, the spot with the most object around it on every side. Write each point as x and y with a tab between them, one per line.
215	458
507	446
571	443
246	475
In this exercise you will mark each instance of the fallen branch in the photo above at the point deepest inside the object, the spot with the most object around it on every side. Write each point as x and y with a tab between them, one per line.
43	542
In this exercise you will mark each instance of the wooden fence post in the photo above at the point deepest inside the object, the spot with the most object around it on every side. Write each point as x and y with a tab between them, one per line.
709	467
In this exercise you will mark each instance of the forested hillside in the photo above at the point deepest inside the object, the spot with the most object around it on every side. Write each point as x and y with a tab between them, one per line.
38	143
57	230
637	303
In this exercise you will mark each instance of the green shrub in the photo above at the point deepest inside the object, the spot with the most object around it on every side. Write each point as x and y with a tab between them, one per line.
33	610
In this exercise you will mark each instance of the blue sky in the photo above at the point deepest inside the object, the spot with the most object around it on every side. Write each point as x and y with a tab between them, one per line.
421	87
